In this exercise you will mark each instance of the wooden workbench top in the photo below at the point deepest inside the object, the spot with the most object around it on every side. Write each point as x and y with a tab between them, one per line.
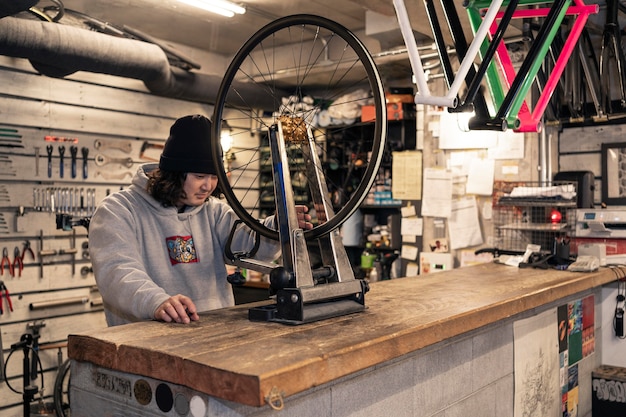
227	356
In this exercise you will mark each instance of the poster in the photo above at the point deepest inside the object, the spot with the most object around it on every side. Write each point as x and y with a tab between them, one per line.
536	371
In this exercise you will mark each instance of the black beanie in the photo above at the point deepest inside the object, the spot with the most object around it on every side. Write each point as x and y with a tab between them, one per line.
188	148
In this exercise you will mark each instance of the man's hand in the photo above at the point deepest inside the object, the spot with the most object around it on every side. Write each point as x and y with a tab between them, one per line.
178	308
304	220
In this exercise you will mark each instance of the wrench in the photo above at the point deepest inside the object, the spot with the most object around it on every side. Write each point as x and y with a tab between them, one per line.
36	161
125	146
73	153
49	150
85	151
103	160
118	176
61	154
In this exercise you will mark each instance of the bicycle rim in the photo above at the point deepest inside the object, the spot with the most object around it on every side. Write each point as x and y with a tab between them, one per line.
311	69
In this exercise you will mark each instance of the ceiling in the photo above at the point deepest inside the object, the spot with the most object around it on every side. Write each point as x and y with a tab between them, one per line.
176	24
374	21
182	24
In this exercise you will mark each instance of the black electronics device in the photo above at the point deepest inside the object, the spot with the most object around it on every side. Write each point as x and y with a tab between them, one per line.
619	322
585	181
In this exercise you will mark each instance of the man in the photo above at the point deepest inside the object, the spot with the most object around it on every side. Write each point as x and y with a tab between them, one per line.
157	247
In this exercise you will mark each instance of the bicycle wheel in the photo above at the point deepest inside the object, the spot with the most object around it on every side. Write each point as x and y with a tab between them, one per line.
61	392
309	70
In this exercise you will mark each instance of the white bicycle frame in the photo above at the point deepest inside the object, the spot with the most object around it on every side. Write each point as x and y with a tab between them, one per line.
423	95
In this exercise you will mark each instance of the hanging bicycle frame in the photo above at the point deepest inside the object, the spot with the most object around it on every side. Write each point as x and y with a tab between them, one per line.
513	107
424	96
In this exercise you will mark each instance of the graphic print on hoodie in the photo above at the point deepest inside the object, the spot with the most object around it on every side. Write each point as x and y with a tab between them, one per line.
181	250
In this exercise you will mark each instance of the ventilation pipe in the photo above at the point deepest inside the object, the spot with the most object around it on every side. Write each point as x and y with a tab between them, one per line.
11	7
58	50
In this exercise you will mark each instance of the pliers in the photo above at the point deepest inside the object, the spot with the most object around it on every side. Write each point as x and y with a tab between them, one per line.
5	258
4	293
17	261
27	249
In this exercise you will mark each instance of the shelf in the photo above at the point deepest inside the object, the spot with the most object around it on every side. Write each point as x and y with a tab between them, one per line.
380	206
524	202
540	227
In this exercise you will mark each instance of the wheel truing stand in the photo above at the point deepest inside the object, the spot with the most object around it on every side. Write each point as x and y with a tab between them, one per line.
303	294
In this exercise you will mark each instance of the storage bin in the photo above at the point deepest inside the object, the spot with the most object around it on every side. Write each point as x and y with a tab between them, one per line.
608	398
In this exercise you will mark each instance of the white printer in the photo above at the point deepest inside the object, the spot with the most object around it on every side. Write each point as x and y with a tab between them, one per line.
601	233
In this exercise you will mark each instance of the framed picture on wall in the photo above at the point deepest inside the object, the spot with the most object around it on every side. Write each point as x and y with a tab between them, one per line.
614	173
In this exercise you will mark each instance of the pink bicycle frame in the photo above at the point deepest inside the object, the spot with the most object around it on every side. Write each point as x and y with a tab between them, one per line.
527	121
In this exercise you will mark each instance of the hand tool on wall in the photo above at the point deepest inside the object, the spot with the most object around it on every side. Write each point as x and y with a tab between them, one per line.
9	133
49	149
122	145
1	359
6	166
85	152
73	153
4	228
10	145
71	251
47	252
58	303
5	259
114	176
61	159
91	201
4	293
4	194
104	160
28	250
17	262
50	138
40	246
35	328
145	146
36	161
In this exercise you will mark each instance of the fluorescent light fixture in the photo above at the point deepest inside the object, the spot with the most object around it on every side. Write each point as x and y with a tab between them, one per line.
221	7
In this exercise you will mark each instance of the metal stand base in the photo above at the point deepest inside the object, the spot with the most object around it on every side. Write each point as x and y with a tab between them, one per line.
298	305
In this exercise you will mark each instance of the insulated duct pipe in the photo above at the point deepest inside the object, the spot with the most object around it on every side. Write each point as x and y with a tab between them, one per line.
11	7
58	50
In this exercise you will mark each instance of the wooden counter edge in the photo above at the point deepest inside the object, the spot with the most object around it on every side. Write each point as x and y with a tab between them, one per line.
320	370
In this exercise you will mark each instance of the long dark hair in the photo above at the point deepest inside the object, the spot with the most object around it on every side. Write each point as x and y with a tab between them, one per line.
166	186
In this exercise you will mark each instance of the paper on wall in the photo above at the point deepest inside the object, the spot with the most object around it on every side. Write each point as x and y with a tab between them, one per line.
409	252
464	226
412	226
480	177
510	145
437	194
406	172
408	211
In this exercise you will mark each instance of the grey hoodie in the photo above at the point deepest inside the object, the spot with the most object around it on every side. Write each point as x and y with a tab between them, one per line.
143	253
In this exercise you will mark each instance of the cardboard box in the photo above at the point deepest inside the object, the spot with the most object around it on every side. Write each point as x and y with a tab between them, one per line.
608	396
399	98
395	111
